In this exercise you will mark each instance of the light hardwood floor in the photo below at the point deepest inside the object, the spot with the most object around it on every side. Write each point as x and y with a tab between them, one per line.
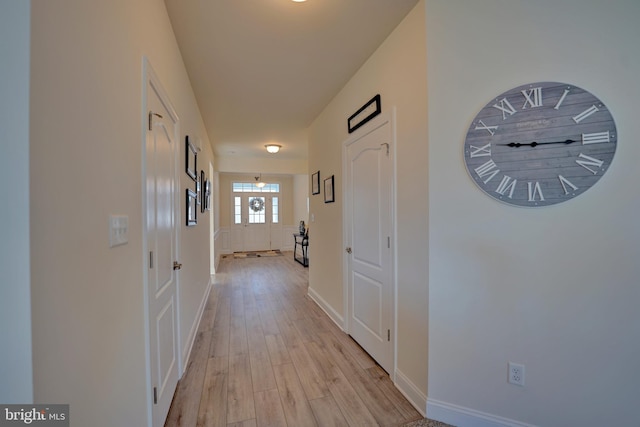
267	355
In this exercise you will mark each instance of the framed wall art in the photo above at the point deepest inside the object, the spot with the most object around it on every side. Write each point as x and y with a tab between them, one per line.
328	190
315	183
202	194
207	195
191	156
367	112
199	188
192	208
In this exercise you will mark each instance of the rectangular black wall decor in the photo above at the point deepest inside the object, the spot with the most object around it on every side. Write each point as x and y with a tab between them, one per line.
191	157
367	112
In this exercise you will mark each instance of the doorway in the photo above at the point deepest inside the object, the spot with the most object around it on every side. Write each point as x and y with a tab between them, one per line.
256	224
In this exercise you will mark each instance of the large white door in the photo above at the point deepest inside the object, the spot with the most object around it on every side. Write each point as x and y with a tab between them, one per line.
368	208
162	244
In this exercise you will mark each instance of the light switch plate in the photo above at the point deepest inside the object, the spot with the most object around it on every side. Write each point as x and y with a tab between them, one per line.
118	230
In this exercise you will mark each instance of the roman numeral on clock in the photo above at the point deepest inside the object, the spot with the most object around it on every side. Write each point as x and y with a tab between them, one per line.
586	113
491	129
561	100
507	184
586	161
532	97
565	182
474	152
505	106
534	191
595	138
488	169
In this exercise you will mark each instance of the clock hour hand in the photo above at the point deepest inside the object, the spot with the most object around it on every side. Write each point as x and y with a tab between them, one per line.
535	144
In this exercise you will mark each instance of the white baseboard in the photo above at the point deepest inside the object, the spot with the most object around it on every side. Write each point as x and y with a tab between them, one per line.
186	353
466	417
413	394
333	315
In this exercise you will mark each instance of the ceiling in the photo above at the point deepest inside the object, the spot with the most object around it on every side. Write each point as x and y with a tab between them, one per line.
262	70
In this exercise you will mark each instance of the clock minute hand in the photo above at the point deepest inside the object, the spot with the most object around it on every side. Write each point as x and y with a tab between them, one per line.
535	144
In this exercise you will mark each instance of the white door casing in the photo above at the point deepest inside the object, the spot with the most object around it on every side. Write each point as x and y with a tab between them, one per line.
368	171
160	243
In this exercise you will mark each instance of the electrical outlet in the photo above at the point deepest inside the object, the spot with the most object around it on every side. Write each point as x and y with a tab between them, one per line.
516	374
118	230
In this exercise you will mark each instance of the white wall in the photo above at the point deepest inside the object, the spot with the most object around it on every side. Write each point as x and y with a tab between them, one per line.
554	288
16	379
397	72
261	165
87	124
300	198
217	235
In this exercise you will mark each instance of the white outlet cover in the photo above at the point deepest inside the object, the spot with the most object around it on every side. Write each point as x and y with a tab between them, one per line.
516	374
118	230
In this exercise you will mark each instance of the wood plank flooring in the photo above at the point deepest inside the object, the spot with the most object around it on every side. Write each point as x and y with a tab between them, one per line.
267	355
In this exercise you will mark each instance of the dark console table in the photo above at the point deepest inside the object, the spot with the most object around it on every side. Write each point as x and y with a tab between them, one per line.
301	240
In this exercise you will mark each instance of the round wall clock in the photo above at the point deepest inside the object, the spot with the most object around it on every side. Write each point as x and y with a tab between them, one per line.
540	144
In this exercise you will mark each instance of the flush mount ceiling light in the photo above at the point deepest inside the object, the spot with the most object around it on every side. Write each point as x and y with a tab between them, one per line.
274	148
299	1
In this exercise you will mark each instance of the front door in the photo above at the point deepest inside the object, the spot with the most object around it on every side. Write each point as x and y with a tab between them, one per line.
256	234
162	244
254	217
368	236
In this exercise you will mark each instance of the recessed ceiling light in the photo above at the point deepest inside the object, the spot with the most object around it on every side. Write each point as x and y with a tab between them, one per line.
299	1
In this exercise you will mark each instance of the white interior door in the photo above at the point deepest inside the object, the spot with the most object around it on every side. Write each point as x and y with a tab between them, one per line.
368	235
162	244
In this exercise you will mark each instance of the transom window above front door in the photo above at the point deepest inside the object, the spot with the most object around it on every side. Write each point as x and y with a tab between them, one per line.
251	187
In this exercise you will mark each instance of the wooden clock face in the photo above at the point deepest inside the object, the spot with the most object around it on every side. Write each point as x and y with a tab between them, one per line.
540	144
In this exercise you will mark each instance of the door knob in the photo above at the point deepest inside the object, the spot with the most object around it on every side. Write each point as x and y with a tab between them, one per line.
348	249
177	265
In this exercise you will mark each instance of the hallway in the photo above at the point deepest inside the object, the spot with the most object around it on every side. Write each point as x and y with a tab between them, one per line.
267	355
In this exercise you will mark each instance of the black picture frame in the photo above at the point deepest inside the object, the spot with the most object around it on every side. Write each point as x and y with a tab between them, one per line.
367	112
191	159
207	195
192	208
315	183
329	196
202	193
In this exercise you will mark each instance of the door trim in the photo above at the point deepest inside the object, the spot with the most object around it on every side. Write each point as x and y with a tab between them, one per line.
377	122
149	77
